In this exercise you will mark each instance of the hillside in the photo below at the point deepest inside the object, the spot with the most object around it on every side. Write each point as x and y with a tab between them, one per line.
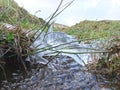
60	27
95	29
11	13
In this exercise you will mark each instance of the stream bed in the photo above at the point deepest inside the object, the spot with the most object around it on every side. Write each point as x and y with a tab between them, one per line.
62	73
59	65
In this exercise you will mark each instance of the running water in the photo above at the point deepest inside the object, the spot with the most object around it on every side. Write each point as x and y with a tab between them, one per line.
65	58
59	42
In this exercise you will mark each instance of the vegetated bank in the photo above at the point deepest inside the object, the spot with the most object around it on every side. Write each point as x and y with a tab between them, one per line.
109	30
11	13
104	29
14	44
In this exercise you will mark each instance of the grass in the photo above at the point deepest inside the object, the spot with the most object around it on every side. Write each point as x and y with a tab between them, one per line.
95	29
14	45
108	65
14	15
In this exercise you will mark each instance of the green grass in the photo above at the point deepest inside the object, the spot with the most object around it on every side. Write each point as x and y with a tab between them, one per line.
12	14
95	29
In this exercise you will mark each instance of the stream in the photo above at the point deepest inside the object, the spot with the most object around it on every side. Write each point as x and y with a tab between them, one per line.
63	60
